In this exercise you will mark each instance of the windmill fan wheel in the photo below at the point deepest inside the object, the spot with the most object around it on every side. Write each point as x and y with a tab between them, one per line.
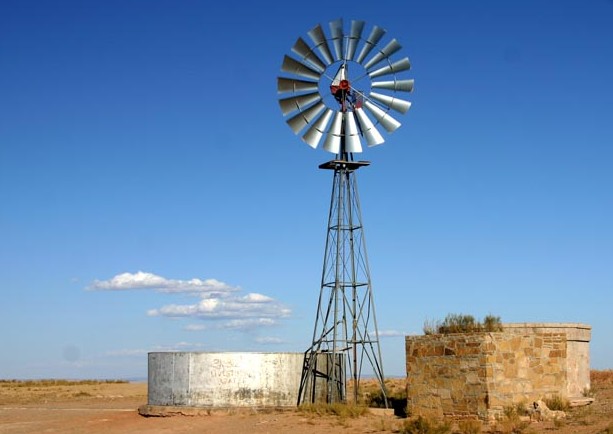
343	87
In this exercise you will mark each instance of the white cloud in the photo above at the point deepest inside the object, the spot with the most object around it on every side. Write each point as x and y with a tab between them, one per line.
390	333
233	324
127	353
181	345
250	306
218	302
269	340
248	324
144	280
255	298
195	327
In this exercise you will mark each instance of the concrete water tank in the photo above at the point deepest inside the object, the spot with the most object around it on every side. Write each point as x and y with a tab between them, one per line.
222	380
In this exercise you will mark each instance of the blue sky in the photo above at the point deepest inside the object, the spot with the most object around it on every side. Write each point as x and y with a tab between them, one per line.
144	163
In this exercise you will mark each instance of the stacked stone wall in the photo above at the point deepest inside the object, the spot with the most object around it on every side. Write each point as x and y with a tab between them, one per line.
577	351
479	374
446	374
525	368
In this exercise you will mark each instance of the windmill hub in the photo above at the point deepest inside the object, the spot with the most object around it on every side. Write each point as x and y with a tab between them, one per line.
347	95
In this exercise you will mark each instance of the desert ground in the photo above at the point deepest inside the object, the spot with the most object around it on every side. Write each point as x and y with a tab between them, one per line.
60	406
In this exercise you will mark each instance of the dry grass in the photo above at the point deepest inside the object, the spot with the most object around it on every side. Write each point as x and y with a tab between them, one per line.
342	410
608	430
460	323
55	390
470	426
56	382
424	425
371	395
602	377
557	403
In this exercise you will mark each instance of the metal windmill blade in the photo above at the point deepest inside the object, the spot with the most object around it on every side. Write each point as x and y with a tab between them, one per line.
354	38
304	51
336	29
396	85
373	39
401	65
316	131
319	39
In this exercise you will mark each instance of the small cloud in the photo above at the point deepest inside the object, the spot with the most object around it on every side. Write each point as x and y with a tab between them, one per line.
195	327
255	298
143	280
127	353
187	345
391	333
269	340
248	324
233	324
249	306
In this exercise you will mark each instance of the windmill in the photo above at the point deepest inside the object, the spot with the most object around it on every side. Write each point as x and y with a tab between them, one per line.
343	99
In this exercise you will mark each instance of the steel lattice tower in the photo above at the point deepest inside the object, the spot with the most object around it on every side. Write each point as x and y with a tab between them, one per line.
346	331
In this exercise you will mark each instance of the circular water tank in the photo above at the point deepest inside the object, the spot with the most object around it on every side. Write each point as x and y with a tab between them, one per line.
221	380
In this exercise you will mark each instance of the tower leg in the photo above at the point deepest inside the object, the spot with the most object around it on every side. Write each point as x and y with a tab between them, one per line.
345	336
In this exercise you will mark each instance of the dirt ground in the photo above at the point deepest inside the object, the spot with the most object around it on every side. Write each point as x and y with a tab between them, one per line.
111	408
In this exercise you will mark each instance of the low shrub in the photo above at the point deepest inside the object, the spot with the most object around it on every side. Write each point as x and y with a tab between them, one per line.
422	425
470	426
510	412
492	323
556	402
460	323
340	409
511	423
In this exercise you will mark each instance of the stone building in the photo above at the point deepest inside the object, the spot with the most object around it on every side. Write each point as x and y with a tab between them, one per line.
481	373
